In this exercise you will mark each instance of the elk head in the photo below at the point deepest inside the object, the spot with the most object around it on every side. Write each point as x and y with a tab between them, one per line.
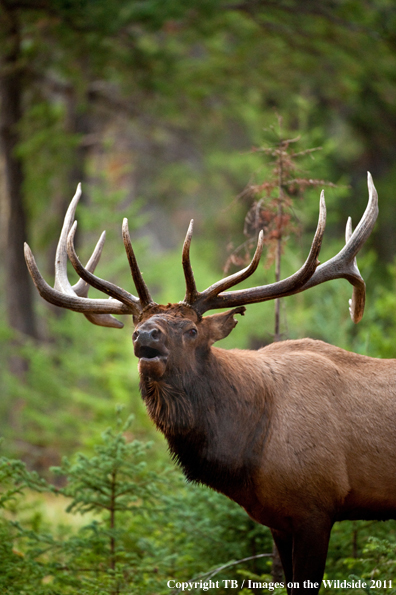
156	325
170	339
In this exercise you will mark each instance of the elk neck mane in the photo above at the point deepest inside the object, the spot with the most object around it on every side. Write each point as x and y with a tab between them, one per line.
213	418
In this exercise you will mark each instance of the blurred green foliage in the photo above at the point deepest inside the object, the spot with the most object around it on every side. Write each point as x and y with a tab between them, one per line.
137	526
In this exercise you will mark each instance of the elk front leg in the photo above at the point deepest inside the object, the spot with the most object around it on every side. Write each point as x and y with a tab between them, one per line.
284	545
310	545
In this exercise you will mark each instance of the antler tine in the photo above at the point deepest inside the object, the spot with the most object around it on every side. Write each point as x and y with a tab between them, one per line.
141	287
212	298
343	265
61	280
110	288
358	301
191	288
81	289
234	279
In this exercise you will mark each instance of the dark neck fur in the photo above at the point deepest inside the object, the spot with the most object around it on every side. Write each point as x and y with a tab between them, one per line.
204	422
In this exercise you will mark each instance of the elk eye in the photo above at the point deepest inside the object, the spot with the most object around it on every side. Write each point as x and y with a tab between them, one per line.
192	332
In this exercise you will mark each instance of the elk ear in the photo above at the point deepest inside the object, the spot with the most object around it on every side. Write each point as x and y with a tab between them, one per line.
220	325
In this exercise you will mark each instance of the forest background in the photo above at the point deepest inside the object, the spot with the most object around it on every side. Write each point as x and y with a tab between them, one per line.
164	110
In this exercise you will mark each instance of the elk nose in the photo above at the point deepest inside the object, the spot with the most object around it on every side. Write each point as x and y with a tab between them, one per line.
147	336
149	342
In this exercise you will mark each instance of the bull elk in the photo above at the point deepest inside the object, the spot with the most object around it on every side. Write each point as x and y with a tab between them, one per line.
299	433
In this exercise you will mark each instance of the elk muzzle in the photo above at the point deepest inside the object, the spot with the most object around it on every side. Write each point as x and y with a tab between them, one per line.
149	346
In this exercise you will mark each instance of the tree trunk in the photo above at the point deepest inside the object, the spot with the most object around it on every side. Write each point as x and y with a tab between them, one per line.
78	122
19	295
277	569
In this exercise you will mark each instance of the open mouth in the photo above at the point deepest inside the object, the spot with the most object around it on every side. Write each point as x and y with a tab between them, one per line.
149	353
145	352
152	361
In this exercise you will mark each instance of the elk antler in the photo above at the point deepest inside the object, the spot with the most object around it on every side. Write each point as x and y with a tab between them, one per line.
98	311
141	287
343	265
213	297
192	295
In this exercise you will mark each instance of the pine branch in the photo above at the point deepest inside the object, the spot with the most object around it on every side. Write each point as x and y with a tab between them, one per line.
215	571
